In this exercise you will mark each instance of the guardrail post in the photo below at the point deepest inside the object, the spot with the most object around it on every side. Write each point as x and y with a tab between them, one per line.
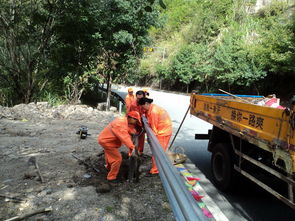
120	107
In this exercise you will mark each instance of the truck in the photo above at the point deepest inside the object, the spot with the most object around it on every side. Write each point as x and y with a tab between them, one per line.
249	140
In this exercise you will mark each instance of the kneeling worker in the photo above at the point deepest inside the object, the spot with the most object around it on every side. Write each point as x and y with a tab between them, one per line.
112	137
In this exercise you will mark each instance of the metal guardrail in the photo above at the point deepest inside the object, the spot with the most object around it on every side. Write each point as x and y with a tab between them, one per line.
183	204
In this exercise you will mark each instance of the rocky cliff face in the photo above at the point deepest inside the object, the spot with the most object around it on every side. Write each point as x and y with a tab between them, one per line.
262	3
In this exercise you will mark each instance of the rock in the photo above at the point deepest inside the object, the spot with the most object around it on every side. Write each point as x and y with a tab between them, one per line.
48	191
87	176
166	206
113	109
29	176
101	106
43	105
103	188
56	115
89	109
70	185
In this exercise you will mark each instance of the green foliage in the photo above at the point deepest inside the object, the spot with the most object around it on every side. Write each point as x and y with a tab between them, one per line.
6	95
77	35
276	50
181	13
233	64
124	32
43	40
222	44
209	19
50	45
183	65
25	30
193	63
52	99
110	209
163	71
52	49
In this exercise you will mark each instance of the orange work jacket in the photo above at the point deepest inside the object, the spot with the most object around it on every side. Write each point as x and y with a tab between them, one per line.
116	134
128	101
135	107
159	120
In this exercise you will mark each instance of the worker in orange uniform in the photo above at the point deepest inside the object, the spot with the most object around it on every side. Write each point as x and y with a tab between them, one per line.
139	129
146	92
160	124
112	137
130	97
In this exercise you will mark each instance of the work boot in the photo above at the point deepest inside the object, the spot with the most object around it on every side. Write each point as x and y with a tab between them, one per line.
115	181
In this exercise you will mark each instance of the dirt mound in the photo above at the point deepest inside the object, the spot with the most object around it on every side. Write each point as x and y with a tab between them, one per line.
43	110
74	191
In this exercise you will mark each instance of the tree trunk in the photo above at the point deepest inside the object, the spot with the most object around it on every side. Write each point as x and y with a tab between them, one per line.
28	96
109	89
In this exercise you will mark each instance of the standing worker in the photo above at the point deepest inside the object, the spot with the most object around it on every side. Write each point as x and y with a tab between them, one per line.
146	92
136	107
112	137
130	97
160	123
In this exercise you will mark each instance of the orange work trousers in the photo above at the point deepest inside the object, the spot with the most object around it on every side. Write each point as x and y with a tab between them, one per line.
164	141
113	160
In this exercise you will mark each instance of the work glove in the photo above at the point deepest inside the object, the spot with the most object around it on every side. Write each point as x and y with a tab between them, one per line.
130	152
133	152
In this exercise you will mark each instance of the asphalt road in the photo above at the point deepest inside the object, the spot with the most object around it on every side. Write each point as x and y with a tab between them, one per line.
249	201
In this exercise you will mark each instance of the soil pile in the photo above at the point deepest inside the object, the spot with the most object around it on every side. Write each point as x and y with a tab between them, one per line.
47	135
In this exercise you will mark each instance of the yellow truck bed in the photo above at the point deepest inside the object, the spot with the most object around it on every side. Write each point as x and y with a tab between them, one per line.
268	128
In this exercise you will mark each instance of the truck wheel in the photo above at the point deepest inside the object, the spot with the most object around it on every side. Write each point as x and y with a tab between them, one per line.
222	166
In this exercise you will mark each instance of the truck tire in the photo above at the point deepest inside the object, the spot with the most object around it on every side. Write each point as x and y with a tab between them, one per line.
222	166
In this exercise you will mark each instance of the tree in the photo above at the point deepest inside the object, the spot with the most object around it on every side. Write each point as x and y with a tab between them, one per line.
26	29
76	45
47	45
124	32
235	65
275	50
183	66
193	63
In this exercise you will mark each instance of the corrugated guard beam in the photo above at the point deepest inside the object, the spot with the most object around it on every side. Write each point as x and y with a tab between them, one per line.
183	204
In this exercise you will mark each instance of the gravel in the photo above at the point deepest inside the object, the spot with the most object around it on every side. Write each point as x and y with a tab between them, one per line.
70	188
